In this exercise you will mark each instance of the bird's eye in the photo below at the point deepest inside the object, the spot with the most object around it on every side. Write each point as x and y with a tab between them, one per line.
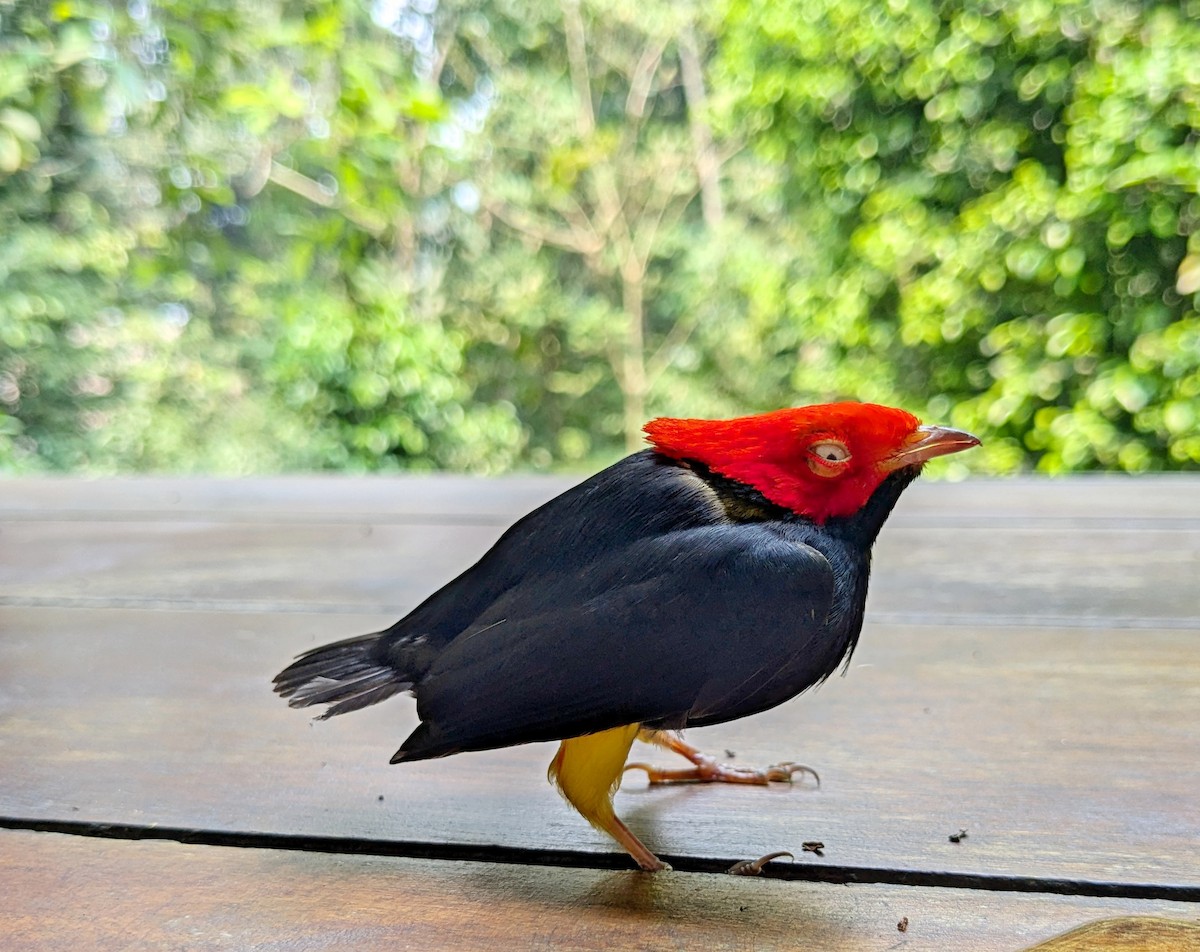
832	452
826	458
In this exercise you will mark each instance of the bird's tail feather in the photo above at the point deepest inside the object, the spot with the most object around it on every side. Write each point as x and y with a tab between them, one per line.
346	675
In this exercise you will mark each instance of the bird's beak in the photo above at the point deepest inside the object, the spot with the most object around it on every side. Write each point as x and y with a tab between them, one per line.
926	442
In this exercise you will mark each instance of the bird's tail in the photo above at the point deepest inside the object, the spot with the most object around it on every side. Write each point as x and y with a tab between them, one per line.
346	675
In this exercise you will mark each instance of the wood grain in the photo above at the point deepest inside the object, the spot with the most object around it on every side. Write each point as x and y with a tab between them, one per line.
1029	673
949	575
1065	753
1078	499
69	893
282	498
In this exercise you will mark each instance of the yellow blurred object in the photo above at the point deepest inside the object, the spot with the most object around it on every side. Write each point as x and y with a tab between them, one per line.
1127	934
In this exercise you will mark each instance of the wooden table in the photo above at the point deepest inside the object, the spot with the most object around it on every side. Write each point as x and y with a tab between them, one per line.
1029	672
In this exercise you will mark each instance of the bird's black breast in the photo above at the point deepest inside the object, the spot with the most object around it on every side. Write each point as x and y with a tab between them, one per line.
818	650
846	545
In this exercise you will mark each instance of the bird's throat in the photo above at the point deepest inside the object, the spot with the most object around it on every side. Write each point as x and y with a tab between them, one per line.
862	527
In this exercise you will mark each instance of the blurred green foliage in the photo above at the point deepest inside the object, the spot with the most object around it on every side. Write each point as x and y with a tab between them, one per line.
1011	191
264	235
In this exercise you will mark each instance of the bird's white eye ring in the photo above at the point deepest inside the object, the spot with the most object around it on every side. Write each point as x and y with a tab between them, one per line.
830	452
827	458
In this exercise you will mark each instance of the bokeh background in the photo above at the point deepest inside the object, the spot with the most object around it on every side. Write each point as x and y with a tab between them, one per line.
261	236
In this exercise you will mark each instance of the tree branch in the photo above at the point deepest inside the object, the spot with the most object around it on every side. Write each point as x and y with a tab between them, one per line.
643	242
443	54
300	184
569	239
608	197
585	117
661	358
707	164
641	81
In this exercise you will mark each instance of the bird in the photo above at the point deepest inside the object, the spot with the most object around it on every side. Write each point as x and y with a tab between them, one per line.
715	574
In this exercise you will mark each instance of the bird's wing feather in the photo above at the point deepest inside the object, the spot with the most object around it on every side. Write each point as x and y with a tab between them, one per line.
666	628
641	495
551	549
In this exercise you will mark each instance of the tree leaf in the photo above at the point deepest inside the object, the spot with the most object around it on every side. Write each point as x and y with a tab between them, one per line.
21	124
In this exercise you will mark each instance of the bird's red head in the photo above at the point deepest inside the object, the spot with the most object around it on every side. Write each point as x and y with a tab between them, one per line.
819	461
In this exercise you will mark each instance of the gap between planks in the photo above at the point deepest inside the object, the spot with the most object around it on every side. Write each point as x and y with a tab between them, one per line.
572	859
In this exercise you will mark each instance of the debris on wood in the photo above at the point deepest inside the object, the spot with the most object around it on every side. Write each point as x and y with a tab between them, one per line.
958	837
902	925
813	846
753	867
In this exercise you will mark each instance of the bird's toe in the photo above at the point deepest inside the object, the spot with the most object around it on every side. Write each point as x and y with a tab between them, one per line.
786	772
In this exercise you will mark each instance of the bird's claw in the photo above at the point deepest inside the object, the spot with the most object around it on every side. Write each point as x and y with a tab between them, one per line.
786	772
754	867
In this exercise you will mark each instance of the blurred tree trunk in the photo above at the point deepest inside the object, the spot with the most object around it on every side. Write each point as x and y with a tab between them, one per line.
628	182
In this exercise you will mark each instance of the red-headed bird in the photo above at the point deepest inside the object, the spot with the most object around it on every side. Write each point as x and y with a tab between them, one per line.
713	576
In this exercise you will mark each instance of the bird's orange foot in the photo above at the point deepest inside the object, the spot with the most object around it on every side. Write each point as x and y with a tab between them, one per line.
753	867
707	770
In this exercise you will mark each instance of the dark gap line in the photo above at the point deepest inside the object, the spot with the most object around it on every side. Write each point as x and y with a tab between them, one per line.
574	859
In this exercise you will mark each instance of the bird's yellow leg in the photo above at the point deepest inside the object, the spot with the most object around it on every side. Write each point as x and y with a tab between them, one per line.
587	771
706	769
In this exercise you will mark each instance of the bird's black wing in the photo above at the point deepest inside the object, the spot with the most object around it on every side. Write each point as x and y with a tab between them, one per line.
641	495
666	629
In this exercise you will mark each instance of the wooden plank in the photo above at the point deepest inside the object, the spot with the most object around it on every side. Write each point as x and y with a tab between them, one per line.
1065	753
248	567
314	498
70	893
961	575
1087	499
1021	575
